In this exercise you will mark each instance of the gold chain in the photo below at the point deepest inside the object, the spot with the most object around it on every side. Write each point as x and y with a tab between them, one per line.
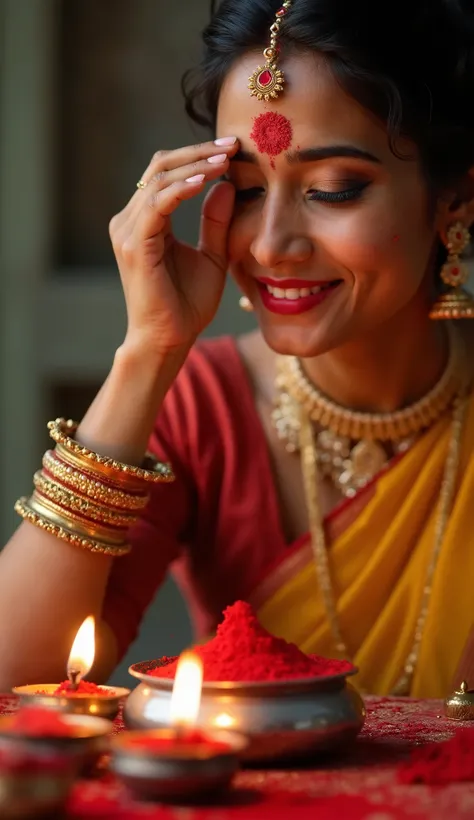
318	539
293	385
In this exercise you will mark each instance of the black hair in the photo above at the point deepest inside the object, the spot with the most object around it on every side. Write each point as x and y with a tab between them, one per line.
410	62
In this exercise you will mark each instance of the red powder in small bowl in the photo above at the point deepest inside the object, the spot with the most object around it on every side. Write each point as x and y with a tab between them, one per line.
33	721
184	741
85	688
243	650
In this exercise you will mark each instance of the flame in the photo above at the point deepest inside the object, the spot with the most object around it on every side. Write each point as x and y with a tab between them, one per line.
186	695
82	653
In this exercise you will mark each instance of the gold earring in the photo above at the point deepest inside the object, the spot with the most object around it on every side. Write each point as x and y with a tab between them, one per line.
456	303
245	304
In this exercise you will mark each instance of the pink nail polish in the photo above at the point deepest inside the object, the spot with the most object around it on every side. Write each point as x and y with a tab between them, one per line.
196	179
217	158
225	141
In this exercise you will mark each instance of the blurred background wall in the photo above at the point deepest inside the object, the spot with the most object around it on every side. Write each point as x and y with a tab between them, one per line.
89	89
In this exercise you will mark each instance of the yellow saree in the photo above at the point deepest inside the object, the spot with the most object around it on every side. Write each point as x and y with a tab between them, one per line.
379	564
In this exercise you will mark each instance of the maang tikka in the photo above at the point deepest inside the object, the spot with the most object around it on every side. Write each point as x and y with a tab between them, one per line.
266	83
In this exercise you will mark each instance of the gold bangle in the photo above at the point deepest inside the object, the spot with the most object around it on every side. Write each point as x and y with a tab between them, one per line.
75	523
91	487
28	514
62	432
76	504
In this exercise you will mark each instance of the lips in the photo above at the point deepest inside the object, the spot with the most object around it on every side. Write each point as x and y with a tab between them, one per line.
293	296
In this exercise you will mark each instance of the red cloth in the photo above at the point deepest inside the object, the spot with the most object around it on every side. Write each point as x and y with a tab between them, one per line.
360	784
218	524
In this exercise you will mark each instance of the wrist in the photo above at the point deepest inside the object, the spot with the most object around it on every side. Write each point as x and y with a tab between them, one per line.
140	361
141	346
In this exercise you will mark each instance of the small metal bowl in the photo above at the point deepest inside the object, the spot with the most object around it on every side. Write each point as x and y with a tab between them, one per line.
87	744
42	694
37	773
180	772
42	792
281	719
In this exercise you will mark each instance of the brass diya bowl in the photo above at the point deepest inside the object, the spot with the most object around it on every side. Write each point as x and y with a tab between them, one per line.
281	719
178	772
37	772
103	706
87	741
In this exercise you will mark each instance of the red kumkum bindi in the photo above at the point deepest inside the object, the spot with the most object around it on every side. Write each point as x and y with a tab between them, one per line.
272	134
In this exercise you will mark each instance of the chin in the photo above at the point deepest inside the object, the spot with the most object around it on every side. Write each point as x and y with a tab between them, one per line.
303	342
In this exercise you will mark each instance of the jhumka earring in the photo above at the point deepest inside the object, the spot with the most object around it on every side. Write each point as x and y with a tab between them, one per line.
456	303
245	304
267	81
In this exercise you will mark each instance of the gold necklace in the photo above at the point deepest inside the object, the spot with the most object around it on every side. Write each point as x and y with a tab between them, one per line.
318	540
351	447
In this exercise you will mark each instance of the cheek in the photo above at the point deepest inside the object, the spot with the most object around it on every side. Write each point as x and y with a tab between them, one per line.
240	237
384	239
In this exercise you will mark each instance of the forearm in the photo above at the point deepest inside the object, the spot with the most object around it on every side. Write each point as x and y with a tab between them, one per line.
47	586
120	419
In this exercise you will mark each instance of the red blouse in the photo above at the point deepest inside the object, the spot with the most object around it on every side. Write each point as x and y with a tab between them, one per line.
218	525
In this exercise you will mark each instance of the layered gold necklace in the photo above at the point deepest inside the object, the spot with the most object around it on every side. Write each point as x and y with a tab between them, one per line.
352	447
299	404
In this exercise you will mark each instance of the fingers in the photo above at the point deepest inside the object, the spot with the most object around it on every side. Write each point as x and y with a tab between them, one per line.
216	216
162	200
171	178
164	161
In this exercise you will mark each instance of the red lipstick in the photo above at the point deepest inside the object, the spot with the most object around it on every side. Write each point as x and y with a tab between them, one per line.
293	307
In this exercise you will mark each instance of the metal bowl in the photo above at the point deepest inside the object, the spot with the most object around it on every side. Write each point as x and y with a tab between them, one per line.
42	794
37	773
42	694
87	744
281	719
180	773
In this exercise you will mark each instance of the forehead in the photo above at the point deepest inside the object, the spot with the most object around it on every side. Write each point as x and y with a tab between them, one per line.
318	108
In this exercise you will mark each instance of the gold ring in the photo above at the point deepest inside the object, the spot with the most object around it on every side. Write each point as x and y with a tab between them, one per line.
141	184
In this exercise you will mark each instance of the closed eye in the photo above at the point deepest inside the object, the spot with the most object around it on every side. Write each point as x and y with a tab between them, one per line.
335	197
330	197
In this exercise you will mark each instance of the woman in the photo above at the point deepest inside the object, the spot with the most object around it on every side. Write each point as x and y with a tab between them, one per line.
345	206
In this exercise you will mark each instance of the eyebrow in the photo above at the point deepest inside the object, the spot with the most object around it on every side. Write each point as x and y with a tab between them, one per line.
314	154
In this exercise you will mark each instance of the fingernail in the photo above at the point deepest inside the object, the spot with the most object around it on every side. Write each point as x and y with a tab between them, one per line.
197	178
225	141
217	158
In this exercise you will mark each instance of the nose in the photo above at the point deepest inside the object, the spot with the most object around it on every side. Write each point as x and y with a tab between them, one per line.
281	239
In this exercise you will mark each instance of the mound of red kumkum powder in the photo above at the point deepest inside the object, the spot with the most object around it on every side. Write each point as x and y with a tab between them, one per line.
451	761
85	688
243	650
37	722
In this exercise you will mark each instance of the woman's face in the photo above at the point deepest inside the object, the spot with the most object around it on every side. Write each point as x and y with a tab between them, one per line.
335	212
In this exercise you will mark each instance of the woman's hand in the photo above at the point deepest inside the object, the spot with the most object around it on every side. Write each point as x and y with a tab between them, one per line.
172	290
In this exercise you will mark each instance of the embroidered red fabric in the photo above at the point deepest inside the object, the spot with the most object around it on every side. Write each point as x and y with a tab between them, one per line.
361	784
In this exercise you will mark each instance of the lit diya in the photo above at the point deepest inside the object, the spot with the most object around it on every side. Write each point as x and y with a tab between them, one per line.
288	703
76	695
181	761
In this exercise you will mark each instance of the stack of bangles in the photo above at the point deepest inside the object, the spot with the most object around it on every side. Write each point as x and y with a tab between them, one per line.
87	499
